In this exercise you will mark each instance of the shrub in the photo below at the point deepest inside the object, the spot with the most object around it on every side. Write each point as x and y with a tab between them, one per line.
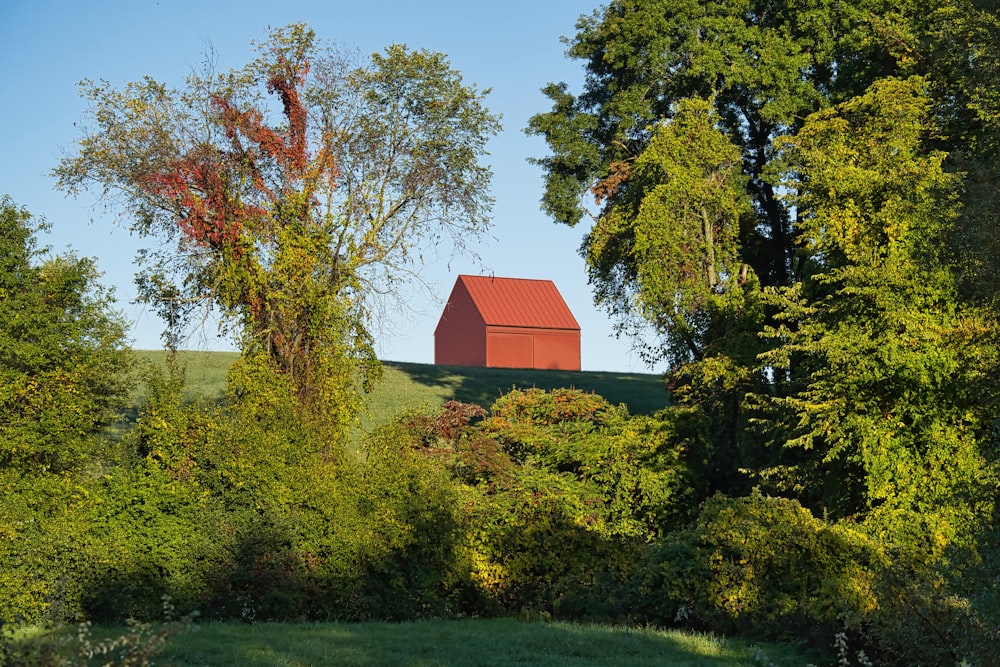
765	566
631	468
412	513
151	534
552	426
777	568
44	521
535	548
564	490
539	407
472	456
135	647
64	366
926	617
760	566
378	538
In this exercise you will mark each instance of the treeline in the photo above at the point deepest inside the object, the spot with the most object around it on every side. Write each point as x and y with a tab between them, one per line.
797	203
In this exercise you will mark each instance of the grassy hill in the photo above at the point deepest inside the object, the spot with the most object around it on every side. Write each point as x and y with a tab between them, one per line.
408	385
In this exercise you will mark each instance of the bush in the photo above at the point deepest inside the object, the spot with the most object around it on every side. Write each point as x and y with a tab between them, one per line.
245	511
64	378
44	521
760	566
137	646
151	534
472	456
64	366
763	566
631	468
535	547
564	490
926	617
539	407
413	515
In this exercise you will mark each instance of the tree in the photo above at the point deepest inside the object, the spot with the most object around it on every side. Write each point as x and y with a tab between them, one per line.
861	329
669	233
763	66
750	72
890	386
63	356
957	47
292	226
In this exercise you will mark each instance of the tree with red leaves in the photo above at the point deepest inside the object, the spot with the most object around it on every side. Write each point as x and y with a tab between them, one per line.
291	191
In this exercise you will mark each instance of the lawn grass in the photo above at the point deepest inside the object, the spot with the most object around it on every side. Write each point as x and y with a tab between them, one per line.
204	372
407	386
465	643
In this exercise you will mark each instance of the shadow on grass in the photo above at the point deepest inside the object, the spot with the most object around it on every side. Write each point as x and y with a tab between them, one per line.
642	393
412	385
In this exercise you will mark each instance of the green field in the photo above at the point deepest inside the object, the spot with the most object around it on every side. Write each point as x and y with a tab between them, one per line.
463	643
408	386
432	643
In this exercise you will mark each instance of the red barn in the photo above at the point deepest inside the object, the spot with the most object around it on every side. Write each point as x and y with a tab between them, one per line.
507	323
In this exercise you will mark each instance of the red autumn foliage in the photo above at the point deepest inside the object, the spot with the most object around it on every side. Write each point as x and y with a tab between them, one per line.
295	112
211	216
199	183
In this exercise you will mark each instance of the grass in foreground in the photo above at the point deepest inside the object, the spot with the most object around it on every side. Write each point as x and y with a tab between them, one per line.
472	643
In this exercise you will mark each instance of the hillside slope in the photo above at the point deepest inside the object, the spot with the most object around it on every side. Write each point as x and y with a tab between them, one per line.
409	385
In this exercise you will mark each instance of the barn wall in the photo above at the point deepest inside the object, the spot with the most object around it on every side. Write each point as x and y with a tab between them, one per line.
515	347
460	336
509	349
557	350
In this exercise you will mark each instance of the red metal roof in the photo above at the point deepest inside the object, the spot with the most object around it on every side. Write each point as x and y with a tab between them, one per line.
519	302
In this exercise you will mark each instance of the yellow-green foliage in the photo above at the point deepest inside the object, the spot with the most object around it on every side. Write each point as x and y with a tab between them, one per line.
563	489
552	503
240	511
633	466
150	533
760	566
774	566
43	521
765	566
63	379
63	362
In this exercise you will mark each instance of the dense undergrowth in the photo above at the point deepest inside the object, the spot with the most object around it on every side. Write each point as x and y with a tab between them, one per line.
554	504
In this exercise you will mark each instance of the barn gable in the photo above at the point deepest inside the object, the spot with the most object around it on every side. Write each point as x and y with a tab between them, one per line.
507	323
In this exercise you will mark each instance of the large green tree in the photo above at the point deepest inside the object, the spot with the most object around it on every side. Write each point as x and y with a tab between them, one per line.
295	190
848	276
763	65
749	72
670	232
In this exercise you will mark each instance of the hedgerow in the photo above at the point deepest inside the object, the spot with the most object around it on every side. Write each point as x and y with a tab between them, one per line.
567	508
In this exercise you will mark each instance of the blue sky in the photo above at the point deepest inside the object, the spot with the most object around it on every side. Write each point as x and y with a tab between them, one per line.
512	47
